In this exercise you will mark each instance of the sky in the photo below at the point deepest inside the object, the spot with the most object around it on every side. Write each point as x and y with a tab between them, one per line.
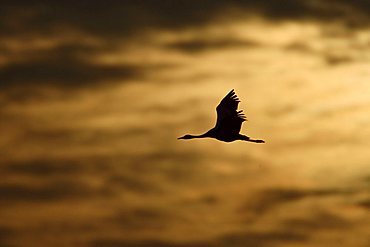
95	93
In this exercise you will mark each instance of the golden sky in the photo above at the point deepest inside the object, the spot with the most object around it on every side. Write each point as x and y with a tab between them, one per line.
95	93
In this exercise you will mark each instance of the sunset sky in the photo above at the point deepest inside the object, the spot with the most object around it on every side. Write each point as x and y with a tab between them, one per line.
95	93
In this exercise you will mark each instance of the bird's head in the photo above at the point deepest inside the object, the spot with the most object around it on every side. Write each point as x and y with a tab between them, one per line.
185	137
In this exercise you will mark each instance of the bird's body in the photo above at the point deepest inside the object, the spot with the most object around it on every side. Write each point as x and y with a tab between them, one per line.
229	122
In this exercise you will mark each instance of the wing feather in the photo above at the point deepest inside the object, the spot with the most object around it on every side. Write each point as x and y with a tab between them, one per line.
229	120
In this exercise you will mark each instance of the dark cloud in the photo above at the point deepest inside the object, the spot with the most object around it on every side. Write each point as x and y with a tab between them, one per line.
366	181
115	22
133	183
65	66
81	135
148	243
122	18
271	198
173	165
6	233
319	221
333	60
330	58
209	199
143	218
260	239
51	191
111	18
365	203
299	47
44	167
199	45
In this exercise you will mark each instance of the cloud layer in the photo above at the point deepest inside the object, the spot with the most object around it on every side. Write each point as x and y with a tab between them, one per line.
94	95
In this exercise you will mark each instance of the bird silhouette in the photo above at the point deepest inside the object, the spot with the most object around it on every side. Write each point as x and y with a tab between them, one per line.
229	122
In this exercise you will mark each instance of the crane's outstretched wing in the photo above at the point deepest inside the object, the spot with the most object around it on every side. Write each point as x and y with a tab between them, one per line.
229	120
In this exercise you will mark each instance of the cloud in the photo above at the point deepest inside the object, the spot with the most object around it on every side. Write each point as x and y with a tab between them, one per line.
68	66
241	239
80	135
116	22
365	203
5	234
209	199
120	19
200	45
333	60
318	221
143	218
365	188
262	238
132	183
299	46
43	167
47	192
269	199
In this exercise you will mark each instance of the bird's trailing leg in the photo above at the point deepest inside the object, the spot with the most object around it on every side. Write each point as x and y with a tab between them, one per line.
256	141
247	138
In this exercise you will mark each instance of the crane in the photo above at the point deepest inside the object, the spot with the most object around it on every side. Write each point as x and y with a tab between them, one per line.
228	124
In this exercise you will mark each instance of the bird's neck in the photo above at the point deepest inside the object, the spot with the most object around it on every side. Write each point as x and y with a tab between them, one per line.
200	136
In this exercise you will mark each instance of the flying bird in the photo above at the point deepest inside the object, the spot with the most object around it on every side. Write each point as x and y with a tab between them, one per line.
229	122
